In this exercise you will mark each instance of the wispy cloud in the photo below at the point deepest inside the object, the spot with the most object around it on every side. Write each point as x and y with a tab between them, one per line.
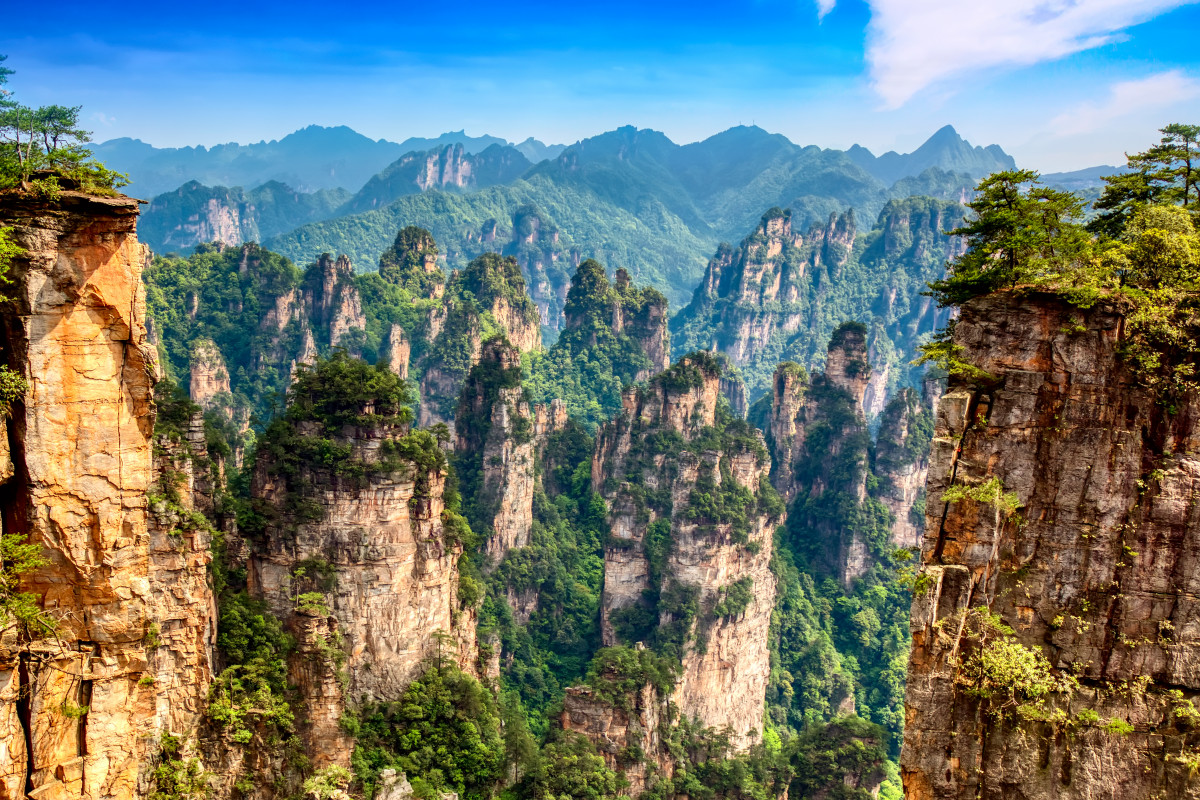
1127	99
824	7
912	44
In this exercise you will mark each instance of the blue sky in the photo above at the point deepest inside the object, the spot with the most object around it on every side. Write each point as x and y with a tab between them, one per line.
1060	84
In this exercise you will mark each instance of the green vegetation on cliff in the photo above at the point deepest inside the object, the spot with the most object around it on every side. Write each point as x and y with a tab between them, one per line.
42	149
591	363
1146	257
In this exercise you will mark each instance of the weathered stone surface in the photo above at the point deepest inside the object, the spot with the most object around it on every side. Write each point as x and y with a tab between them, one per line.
902	464
723	683
1096	570
833	464
209	383
332	301
77	487
614	729
393	594
397	351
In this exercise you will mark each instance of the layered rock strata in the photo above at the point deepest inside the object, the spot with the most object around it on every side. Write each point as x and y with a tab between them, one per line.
81	712
673	557
1072	523
378	552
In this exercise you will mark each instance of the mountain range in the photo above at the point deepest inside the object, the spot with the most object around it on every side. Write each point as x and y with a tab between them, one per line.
631	198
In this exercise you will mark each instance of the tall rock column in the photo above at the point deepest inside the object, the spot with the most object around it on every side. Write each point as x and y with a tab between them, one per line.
1054	644
902	464
78	711
820	447
687	569
379	553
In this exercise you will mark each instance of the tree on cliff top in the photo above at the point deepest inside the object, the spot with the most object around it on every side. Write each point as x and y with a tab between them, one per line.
1168	172
42	149
1021	232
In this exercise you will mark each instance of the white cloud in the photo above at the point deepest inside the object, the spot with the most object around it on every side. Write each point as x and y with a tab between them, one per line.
103	119
824	7
912	44
1127	99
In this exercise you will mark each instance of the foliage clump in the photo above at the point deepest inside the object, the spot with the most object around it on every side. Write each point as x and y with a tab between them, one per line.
1142	254
443	733
591	363
42	150
411	262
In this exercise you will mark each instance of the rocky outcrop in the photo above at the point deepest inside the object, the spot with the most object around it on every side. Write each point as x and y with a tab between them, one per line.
701	577
846	365
377	549
490	283
546	263
450	167
81	713
639	721
498	437
1069	540
209	378
902	464
642	315
780	294
332	300
195	214
820	447
495	448
397	351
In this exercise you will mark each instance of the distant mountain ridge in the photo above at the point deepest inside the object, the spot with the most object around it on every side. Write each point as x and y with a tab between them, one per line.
631	198
945	150
307	160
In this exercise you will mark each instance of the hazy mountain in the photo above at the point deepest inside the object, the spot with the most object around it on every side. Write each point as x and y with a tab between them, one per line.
470	144
308	160
449	167
193	213
535	151
1081	179
945	149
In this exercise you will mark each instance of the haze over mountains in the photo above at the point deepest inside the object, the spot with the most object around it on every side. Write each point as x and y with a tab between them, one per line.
631	197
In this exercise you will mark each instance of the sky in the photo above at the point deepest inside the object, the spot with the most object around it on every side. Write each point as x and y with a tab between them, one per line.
1059	84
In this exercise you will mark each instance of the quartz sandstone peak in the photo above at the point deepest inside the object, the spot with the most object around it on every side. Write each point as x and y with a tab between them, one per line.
723	680
1093	570
77	486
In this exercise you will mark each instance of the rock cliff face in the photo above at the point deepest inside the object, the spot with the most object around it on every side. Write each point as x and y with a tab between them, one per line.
682	571
546	264
491	284
902	464
643	317
209	380
332	300
81	714
780	294
613	729
398	351
194	214
1089	561
820	448
449	167
378	551
495	448
498	437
